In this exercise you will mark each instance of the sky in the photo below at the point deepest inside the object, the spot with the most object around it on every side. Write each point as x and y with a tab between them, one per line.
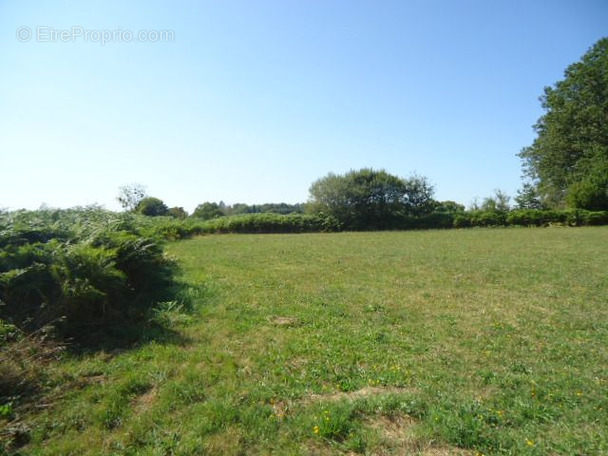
251	101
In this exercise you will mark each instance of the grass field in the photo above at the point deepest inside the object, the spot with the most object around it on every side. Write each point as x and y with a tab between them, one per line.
439	342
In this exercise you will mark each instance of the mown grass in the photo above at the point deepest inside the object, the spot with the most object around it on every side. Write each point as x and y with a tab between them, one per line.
440	342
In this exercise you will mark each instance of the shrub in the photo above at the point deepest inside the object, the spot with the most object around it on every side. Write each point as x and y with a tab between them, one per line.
271	223
439	220
488	218
77	270
526	217
596	218
462	221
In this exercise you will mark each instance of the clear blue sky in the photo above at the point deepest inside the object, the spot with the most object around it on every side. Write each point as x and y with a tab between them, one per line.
254	100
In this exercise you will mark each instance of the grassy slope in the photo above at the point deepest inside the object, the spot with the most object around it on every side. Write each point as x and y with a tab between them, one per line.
385	343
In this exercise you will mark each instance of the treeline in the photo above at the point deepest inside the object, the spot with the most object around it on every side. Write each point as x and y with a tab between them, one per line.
260	223
441	219
360	200
516	217
134	199
209	210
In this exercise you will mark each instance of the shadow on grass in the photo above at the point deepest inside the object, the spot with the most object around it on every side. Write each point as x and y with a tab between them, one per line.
26	359
173	307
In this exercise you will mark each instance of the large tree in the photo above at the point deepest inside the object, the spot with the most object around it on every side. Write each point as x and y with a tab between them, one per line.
370	199
568	161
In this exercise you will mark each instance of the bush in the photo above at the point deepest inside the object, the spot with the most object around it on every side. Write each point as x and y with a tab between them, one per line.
77	270
271	223
527	217
462	221
488	218
438	220
596	218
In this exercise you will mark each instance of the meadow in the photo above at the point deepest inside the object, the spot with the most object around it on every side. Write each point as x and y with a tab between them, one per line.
465	342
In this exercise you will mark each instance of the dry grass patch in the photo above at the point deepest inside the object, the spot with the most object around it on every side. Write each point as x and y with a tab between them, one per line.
399	438
284	321
362	393
145	401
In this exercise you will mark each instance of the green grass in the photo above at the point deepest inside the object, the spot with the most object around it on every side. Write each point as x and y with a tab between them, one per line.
493	341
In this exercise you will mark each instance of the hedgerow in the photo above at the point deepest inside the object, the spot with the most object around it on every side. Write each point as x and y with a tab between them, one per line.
271	223
518	217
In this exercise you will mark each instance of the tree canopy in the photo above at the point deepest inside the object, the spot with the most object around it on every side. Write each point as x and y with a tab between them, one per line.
208	211
152	207
568	160
370	199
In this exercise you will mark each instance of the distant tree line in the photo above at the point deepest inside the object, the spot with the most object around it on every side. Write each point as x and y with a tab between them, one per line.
210	211
364	199
566	168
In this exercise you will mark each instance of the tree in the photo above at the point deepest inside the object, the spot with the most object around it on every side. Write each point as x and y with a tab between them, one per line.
448	206
498	202
129	196
152	207
370	199
208	211
502	201
568	160
527	197
178	213
489	204
418	197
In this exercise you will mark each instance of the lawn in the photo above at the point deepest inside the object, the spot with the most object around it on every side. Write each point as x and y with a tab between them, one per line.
480	341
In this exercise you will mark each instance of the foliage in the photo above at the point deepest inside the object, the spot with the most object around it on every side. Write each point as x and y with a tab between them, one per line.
178	213
569	157
528	198
274	208
152	207
499	202
272	223
78	270
591	192
530	217
129	196
208	211
371	200
442	217
448	206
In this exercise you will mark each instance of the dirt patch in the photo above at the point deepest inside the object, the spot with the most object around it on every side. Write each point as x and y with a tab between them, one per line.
280	409
357	394
145	401
284	321
397	432
399	438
